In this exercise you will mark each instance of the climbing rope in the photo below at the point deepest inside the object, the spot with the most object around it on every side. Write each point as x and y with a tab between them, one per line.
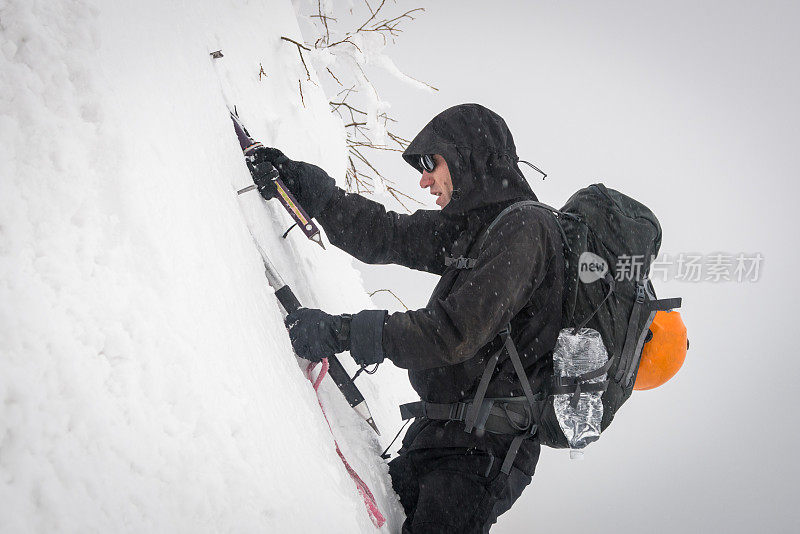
369	500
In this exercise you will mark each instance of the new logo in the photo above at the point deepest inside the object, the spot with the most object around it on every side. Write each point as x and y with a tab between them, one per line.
591	267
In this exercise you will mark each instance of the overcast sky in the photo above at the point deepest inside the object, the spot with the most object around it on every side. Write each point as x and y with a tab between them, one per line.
691	107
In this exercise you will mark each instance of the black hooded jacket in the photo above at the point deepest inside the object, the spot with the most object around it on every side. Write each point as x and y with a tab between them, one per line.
517	279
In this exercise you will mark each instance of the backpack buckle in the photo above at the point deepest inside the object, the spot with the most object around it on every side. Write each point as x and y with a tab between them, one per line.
460	262
641	293
457	411
464	263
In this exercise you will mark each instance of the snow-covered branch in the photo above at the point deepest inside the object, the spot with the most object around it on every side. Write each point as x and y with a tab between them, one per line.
346	56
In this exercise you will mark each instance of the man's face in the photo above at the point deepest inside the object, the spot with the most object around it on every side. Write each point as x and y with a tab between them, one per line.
439	181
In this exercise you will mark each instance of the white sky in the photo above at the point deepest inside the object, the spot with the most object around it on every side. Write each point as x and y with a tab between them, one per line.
692	108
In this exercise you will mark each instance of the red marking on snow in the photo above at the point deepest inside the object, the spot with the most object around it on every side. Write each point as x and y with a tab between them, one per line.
369	500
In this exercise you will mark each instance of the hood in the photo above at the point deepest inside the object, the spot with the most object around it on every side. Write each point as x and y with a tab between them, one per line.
480	153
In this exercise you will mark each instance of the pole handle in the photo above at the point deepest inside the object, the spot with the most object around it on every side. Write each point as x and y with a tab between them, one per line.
287	299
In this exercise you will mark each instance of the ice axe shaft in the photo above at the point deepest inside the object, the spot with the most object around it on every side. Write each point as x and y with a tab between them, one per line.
336	370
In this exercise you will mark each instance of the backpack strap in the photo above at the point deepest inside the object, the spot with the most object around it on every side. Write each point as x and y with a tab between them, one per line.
462	262
479	409
632	348
522	204
612	284
508	462
477	406
665	304
575	385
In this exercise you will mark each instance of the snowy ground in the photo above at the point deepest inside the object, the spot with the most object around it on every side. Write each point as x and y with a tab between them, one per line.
146	380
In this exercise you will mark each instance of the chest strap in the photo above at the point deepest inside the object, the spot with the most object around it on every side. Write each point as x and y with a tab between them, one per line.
460	262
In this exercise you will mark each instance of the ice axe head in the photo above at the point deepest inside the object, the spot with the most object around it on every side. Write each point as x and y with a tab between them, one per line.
246	142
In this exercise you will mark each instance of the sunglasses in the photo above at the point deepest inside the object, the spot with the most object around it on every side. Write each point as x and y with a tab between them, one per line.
427	162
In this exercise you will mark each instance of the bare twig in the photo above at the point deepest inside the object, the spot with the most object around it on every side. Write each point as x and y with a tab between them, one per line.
367	144
403	143
406	15
343	41
412	199
365	161
324	17
304	47
344	93
348	106
374	14
394	192
391	293
391	27
300	49
300	85
334	76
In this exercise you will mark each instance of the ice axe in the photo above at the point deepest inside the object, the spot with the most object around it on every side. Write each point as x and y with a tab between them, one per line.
287	200
336	371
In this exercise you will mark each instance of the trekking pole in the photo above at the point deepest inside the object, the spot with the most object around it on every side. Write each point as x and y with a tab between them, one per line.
336	370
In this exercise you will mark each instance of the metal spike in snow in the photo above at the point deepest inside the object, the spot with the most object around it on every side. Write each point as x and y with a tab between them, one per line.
336	371
287	200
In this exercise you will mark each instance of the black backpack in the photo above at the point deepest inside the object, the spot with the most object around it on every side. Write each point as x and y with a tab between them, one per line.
602	229
619	231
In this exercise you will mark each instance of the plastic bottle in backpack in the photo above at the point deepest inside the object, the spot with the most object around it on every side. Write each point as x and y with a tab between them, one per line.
576	354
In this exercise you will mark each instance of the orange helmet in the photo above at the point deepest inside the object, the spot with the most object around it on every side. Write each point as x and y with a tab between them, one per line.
664	353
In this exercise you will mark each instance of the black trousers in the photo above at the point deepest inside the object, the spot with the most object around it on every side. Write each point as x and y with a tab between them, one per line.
453	490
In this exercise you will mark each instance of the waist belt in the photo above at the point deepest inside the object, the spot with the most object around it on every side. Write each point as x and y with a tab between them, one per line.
505	415
508	415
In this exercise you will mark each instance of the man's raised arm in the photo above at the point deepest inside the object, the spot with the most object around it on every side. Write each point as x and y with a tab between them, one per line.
365	230
357	225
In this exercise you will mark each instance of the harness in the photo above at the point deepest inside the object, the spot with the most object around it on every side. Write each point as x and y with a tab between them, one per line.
502	415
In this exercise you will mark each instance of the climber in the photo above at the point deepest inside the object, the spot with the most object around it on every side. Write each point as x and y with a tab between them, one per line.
447	479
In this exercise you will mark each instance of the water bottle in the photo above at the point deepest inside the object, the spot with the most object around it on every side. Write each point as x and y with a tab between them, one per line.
577	353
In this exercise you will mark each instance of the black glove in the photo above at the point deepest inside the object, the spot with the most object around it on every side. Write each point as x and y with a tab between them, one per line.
263	173
316	334
311	185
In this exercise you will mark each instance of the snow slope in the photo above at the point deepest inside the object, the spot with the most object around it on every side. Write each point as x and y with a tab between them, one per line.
147	383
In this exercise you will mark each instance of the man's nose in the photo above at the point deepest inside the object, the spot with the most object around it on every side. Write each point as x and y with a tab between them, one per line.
426	180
